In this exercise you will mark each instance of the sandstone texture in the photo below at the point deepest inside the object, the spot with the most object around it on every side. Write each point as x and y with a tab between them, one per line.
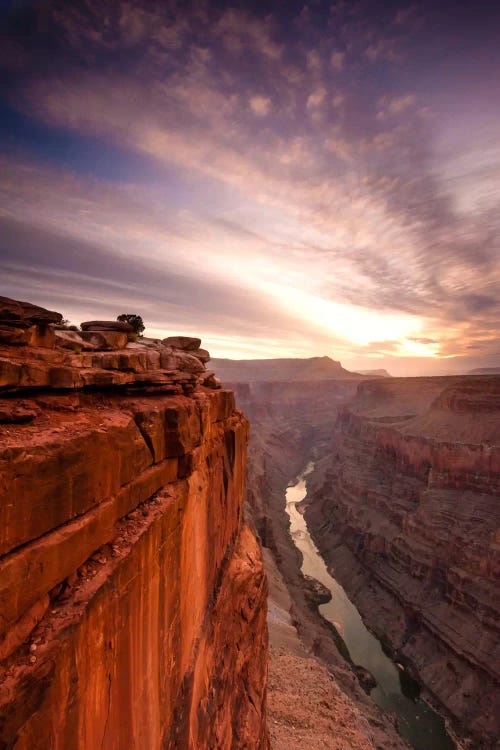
132	591
405	508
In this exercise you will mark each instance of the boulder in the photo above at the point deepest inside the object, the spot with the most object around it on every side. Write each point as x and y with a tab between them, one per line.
34	335
185	361
14	335
24	314
167	359
187	343
201	354
365	677
16	414
210	381
105	339
72	340
107	325
315	591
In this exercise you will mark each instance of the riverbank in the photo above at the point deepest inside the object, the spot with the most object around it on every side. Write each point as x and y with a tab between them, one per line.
391	688
306	708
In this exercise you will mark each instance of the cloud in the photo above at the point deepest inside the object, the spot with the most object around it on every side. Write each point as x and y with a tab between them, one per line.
394	106
337	61
239	30
410	16
344	198
316	98
382	50
84	279
260	105
339	147
422	340
313	60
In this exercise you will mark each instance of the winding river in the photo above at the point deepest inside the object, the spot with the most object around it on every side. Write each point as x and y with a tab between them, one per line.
395	690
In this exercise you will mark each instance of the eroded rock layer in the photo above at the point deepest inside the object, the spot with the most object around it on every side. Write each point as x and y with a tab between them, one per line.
132	593
406	510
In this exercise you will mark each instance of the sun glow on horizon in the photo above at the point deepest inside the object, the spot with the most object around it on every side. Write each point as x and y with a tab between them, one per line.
351	323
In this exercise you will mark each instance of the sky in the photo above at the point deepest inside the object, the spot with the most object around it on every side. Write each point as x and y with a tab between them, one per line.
282	179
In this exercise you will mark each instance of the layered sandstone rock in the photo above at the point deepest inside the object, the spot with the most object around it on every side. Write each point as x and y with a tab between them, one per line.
406	511
132	593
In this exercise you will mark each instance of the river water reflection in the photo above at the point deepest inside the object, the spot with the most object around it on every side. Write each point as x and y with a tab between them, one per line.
418	722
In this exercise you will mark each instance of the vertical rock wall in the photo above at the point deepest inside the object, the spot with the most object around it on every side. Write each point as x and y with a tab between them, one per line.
132	594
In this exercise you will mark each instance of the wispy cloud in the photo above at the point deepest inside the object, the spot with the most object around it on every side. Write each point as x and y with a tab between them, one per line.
289	151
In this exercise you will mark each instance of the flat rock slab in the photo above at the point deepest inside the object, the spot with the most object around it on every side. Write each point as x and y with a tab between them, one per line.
107	325
104	339
188	343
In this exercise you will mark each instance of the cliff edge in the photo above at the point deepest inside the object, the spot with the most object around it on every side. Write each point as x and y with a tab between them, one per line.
132	593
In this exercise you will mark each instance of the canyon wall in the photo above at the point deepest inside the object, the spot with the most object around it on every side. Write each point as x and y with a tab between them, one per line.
405	509
132	592
291	424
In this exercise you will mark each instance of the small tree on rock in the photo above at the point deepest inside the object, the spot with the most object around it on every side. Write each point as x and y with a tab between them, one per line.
134	320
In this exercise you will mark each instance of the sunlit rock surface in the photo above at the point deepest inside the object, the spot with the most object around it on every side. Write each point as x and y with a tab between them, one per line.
132	593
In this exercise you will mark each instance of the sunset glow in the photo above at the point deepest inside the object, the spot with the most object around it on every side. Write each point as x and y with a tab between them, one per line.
306	180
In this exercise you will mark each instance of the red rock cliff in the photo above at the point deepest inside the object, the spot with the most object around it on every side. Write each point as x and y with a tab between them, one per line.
132	594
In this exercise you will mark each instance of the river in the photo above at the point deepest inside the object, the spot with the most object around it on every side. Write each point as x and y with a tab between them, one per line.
395	690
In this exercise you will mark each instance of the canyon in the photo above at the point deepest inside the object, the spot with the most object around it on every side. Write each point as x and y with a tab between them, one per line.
151	592
325	704
403	506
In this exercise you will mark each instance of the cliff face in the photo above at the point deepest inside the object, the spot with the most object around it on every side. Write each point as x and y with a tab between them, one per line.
406	512
290	421
132	593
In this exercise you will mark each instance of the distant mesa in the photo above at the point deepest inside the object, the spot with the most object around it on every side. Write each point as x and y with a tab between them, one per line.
485	371
268	370
375	373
